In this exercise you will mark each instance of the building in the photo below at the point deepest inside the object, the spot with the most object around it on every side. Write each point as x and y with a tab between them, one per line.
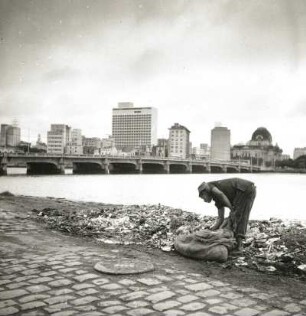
179	144
39	147
74	146
108	143
3	135
108	146
298	152
259	150
91	145
10	135
161	149
134	127
201	152
58	138
220	143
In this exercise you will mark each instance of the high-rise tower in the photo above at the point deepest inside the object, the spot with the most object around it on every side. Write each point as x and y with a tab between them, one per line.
179	141
134	127
57	138
220	143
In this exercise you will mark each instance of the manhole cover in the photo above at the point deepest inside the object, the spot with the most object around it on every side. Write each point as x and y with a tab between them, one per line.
124	266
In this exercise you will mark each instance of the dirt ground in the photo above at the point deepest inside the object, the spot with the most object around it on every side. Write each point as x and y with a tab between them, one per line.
292	284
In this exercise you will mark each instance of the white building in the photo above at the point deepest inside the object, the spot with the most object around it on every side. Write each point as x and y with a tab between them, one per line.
58	138
298	152
179	145
134	127
220	143
75	147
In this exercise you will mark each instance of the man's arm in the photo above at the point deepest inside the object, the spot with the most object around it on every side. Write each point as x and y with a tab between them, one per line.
221	198
220	219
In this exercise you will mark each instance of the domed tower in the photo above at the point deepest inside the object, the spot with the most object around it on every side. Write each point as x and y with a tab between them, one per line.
261	137
259	150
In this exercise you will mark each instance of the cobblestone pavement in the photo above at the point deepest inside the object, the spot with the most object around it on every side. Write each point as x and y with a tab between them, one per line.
48	273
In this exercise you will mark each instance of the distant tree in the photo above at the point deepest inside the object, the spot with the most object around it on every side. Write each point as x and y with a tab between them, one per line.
300	162
287	163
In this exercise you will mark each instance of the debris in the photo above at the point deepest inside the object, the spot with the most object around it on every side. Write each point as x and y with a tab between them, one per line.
302	267
270	268
6	193
273	246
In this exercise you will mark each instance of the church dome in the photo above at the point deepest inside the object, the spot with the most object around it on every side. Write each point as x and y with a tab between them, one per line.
262	134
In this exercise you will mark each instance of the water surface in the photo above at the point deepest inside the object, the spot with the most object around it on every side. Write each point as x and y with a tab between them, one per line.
278	195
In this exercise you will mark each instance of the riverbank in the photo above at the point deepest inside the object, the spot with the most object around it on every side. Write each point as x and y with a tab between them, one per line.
273	247
44	271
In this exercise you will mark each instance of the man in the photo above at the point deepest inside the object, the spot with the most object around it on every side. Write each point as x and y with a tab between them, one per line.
236	194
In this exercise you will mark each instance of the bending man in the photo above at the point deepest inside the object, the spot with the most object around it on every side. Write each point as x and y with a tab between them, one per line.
236	194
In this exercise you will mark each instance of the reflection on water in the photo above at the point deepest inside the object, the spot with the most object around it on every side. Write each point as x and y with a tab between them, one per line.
278	195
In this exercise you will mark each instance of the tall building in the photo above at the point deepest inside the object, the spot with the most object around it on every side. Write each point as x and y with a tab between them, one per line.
10	135
220	143
74	146
134	127
298	152
179	145
4	128
259	150
58	138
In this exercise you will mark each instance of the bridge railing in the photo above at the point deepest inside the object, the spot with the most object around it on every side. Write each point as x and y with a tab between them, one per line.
128	157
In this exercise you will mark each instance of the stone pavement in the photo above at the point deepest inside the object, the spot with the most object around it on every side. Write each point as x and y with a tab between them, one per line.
49	273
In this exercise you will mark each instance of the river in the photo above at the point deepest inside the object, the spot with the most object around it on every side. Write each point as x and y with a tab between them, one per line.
278	195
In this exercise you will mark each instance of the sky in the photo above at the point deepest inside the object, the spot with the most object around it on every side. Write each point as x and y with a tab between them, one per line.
200	63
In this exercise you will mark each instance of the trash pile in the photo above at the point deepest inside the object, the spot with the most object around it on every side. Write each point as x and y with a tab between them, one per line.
275	246
272	246
150	225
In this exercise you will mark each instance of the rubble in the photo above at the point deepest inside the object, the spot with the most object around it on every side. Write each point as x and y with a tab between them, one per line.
274	246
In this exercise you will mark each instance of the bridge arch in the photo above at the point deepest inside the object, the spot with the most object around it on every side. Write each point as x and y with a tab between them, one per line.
152	167
177	168
232	169
199	169
123	168
217	168
88	168
245	170
36	168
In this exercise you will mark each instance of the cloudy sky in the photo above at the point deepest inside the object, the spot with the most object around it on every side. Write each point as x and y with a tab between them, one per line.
241	63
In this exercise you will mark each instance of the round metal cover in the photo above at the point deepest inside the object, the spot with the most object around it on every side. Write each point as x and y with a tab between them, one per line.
124	266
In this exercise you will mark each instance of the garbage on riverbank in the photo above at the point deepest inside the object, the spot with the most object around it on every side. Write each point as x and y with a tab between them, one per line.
273	246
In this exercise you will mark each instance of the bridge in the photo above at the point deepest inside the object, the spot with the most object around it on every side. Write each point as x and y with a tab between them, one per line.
91	164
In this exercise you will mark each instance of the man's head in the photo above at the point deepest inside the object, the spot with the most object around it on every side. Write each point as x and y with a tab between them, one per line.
204	192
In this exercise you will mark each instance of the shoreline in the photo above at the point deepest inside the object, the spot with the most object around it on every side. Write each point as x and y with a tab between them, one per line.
51	258
286	221
271	247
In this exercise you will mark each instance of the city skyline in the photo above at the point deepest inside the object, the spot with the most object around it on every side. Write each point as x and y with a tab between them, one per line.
198	62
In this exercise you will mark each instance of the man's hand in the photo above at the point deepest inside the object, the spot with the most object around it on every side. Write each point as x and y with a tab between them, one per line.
217	224
226	224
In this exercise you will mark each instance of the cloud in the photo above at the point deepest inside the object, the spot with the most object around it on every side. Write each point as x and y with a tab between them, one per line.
300	109
197	61
65	73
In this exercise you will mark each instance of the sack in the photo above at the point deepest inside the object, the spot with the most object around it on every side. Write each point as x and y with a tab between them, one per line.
206	245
